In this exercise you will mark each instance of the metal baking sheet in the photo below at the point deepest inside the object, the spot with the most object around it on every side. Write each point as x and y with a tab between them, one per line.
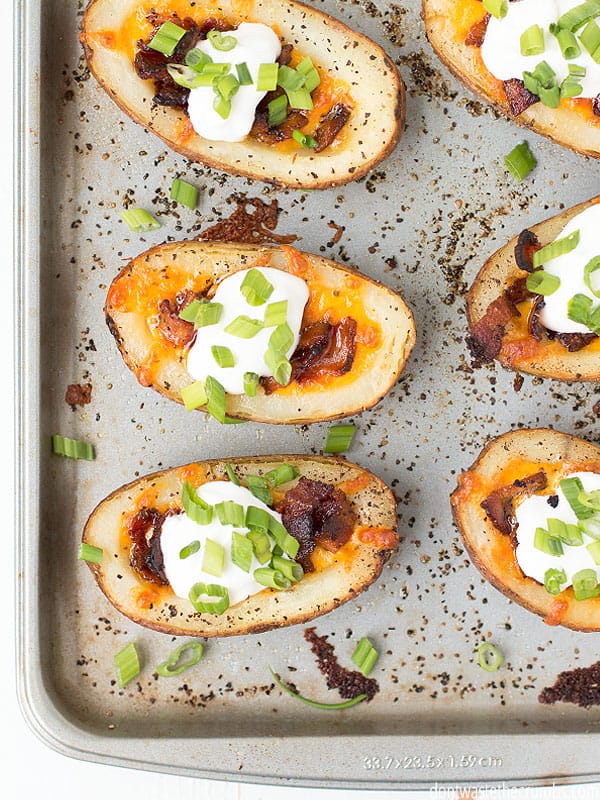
422	222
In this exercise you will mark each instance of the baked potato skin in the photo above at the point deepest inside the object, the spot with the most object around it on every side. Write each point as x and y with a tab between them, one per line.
521	452
497	274
563	125
378	92
317	594
356	391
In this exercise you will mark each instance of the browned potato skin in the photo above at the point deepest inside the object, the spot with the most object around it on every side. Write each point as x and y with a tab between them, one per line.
535	446
499	272
562	125
376	87
317	594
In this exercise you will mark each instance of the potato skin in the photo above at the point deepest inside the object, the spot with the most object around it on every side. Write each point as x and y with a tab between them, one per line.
485	544
498	273
215	260
317	594
562	125
376	124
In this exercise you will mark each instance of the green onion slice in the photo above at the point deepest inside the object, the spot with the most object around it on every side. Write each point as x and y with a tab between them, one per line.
569	47
282	339
181	659
184	193
190	312
289	569
188	77
572	488
585	584
289	545
569	534
209	598
591	526
139	220
277	110
267	77
304	139
256	288
576	71
532	41
257	519
290	79
251	380
276	314
231	475
550	95
222	106
127	664
590	39
489	657
195	507
540	282
221	42
365	656
272	578
197	59
282	474
311	75
214	558
339	438
208	314
497	8
216	399
588	271
259	487
243	327
300	99
279	366
72	448
546	543
189	549
230	513
570	87
553	579
559	248
594	550
313	703
166	38
243	74
227	86
194	396
90	553
241	551
590	499
576	17
520	161
579	309
261	545
223	356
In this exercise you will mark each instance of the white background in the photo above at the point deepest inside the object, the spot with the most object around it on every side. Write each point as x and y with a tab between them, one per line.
30	769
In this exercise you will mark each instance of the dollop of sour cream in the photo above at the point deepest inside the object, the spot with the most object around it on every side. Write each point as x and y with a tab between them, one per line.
501	49
178	531
249	354
569	268
256	44
533	513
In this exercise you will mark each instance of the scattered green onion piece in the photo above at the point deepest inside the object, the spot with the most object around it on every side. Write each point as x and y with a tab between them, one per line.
572	488
588	271
497	8
189	549
184	193
277	551
257	519
576	71
289	545
267	77
166	38
72	448
549	95
546	543
241	551
591	527
90	553
365	656
594	550
261	545
300	99
223	356
190	312
573	19
243	74
276	314
194	396
222	106
532	41
590	499
304	140
290	79
590	39
313	703
208	314
282	474
251	380
544	74
585	584
215	404
280	367
553	579
339	438
127	664
271	578
311	76
260	488
579	309
277	109
221	42
256	288
227	86
243	327
520	161
195	507
188	77
569	534
230	513
489	657
289	569
570	87
215	598
179	661
540	282
139	220
231	475
214	558
282	339
217	69
558	248
569	47
197	59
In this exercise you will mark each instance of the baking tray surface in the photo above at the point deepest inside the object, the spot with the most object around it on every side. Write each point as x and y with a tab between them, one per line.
422	222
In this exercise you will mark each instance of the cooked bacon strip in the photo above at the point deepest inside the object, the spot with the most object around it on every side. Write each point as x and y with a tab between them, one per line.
485	341
330	125
264	133
518	96
476	33
534	326
499	504
145	555
175	330
527	245
78	394
575	341
243	225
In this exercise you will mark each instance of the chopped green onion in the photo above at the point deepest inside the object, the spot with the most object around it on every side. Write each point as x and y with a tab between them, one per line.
190	312
188	77
588	271
585	584
257	518
543	82
497	8
281	339
289	569
195	507
570	87
532	41
289	545
271	578
197	59
277	551
546	543
243	74
208	314
244	327
520	161
311	76
540	282
313	703
214	558
218	70
276	314
260	544
227	86
166	38
591	526
231	475
221	42
594	550
558	248
277	109
567	42
576	71
549	95
260	488
339	438
223	356
489	657
573	19
127	664
304	139
179	661
139	220
189	549
590	39
290	79
300	99
267	77
553	579
222	106
251	380
572	488
579	309
241	551
209	598
72	448
569	534
280	367
194	396
282	474
90	553
365	656
590	499
215	404
230	513
184	193
256	288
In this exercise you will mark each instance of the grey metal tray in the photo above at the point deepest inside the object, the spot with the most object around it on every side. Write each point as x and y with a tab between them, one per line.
422	222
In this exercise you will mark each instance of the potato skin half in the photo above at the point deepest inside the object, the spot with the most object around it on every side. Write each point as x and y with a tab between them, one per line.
563	125
498	273
487	547
317	594
213	261
378	92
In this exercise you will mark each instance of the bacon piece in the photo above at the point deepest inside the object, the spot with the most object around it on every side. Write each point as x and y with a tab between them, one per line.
485	341
476	33
596	105
348	683
174	329
248	226
527	245
145	555
518	291
534	326
286	55
78	394
518	96
499	504
330	125
261	130
575	341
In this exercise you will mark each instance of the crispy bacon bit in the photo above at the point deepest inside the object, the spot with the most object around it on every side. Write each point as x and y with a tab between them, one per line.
476	33
527	245
78	394
145	555
518	382
485	341
517	291
534	326
317	513
175	330
330	125
348	683
575	341
518	96
264	133
499	504
580	686
286	55
253	227
596	105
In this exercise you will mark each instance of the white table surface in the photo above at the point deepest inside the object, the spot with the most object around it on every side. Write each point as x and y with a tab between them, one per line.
30	768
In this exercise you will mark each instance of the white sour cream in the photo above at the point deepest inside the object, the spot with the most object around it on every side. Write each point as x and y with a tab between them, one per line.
569	269
256	44
501	49
179	531
533	513
249	354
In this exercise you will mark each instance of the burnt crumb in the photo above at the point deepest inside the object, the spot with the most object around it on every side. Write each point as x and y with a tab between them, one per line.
246	225
393	24
348	683
78	394
426	79
339	230
518	382
580	686
378	176
552	500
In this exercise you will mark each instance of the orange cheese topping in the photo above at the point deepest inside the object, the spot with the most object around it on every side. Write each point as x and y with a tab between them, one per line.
382	538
